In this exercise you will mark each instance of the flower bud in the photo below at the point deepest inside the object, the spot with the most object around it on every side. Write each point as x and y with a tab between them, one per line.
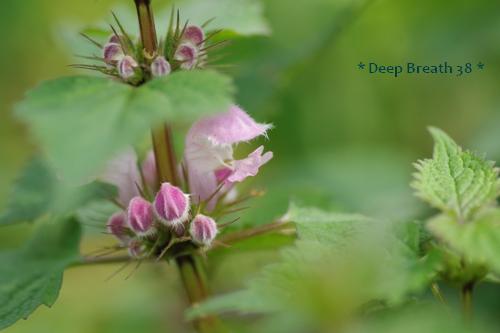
114	39
117	226
136	249
186	54
171	205
194	34
160	67
127	67
112	52
140	217
203	230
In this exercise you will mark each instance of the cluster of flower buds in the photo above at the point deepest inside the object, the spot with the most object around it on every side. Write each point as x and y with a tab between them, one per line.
140	225
183	48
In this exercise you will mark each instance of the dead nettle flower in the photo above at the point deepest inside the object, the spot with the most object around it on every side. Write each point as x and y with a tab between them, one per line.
128	68
112	53
186	54
171	205
160	67
140	217
117	226
194	34
203	230
209	153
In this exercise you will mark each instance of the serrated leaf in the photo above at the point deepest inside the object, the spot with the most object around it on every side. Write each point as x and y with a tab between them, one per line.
340	263
81	121
32	276
477	241
455	181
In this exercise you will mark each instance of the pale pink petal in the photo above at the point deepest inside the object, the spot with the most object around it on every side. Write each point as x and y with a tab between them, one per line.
149	171
122	172
249	166
227	128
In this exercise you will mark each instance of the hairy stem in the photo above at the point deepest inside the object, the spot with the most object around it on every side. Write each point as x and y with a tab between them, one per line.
466	294
192	273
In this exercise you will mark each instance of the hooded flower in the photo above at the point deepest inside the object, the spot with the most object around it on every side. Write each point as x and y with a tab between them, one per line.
209	152
123	172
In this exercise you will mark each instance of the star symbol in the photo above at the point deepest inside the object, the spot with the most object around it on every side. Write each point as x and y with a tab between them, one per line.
361	65
480	65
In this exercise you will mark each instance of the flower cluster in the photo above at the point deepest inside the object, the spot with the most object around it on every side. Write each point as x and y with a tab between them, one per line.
156	216
182	48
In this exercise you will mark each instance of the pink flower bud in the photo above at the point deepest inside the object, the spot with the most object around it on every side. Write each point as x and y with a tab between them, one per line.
186	54
126	67
160	67
112	52
117	226
140	217
114	39
194	34
203	230
171	205
136	249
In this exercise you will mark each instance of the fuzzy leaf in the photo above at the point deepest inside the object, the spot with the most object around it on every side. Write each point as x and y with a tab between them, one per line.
326	277
455	181
32	275
478	241
81	121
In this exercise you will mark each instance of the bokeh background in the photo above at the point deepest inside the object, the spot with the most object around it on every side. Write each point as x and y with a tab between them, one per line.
343	139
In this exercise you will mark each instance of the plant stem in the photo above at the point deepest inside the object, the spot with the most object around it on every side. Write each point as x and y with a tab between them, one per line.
466	294
191	271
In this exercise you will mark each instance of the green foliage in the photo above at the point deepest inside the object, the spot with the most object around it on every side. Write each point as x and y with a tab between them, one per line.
31	194
478	241
243	17
38	192
32	275
455	181
81	122
340	263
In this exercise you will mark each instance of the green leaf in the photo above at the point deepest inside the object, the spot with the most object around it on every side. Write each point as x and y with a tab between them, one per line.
325	227
340	263
31	194
456	181
38	192
477	241
244	17
32	276
192	94
81	122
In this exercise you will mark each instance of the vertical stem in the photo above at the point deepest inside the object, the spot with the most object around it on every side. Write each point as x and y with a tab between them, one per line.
466	294
191	271
146	25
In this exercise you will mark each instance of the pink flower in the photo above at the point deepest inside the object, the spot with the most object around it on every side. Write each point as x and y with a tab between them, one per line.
209	152
171	205
117	226
186	54
127	67
194	34
112	53
122	171
140	217
160	67
203	230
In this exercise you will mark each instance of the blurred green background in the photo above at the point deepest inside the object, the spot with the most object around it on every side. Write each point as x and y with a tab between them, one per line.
342	138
